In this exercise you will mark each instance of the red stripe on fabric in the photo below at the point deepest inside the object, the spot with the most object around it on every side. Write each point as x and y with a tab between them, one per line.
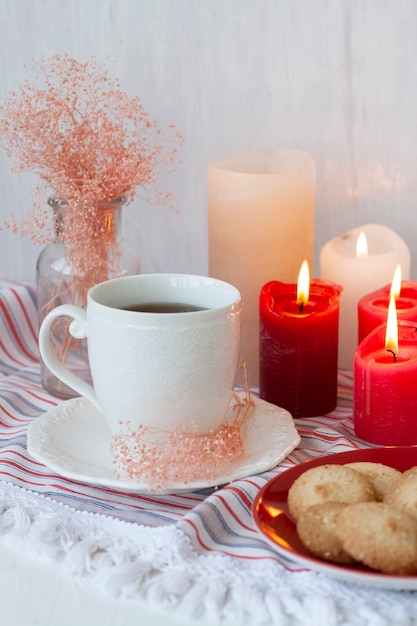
154	501
33	473
17	416
15	333
21	468
13	385
322	436
42	398
27	458
225	552
197	533
28	483
12	358
232	512
241	495
172	505
25	313
12	415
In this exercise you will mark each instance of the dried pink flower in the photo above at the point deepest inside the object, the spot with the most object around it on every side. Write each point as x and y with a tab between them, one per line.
87	140
162	458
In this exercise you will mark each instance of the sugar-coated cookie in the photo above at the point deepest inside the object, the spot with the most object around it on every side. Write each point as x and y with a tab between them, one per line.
382	476
316	528
403	493
380	536
337	483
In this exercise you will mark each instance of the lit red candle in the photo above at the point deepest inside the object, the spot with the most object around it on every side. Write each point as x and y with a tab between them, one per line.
373	308
298	344
385	383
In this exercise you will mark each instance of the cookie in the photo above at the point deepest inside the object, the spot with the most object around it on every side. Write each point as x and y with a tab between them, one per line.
336	483
380	536
411	470
382	476
403	493
316	528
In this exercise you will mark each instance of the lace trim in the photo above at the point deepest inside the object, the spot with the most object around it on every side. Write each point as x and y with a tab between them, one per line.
161	566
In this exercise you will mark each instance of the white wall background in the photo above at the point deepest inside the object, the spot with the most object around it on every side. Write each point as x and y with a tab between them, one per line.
337	78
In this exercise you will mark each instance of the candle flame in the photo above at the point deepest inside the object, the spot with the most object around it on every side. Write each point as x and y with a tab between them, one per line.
361	246
391	333
303	284
396	283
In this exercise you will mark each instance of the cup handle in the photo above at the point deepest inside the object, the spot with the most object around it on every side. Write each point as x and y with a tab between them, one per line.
78	330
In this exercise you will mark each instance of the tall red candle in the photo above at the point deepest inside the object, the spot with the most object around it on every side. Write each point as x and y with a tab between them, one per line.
298	347
385	388
373	308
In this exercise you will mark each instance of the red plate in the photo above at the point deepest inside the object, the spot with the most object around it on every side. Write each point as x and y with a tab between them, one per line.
270	512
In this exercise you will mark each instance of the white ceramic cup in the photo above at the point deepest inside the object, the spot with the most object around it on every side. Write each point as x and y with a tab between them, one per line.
163	370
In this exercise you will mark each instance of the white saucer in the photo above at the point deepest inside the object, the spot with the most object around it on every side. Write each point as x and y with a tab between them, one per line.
73	440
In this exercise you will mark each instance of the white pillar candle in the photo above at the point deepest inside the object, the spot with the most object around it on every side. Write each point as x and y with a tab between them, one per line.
361	275
261	228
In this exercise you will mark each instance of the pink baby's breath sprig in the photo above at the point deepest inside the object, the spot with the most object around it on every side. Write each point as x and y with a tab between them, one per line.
87	141
162	458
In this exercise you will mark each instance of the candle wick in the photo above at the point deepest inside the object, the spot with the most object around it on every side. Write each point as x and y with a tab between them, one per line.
393	354
301	307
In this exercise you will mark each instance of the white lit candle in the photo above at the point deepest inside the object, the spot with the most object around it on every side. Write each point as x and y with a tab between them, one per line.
261	228
361	265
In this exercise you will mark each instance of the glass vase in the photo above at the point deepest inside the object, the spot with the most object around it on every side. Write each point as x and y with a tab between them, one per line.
82	255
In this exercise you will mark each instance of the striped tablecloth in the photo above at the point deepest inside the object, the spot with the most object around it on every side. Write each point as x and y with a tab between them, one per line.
198	552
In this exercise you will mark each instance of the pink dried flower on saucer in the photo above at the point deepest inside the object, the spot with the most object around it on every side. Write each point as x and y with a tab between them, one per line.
161	458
